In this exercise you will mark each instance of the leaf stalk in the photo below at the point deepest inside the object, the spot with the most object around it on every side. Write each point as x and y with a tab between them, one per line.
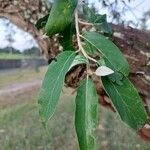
79	40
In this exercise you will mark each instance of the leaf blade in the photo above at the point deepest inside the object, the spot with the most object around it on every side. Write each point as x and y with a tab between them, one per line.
61	15
79	59
110	52
53	83
99	21
86	114
66	39
127	102
40	24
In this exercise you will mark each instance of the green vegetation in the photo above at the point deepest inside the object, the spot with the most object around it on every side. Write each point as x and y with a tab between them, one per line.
109	62
20	76
14	56
20	128
12	53
61	15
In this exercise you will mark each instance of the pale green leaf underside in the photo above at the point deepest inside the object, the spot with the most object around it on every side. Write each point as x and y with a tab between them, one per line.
127	102
79	59
109	51
53	83
86	114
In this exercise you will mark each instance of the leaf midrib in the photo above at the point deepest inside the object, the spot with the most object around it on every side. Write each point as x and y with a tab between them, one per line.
87	80
122	100
56	82
101	52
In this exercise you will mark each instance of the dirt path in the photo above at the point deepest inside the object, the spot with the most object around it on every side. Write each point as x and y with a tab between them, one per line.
14	88
19	93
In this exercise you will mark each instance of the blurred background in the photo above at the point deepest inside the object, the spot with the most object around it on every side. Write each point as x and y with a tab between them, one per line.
23	62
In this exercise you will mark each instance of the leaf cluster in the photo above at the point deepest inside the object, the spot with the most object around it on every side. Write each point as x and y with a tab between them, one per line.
112	68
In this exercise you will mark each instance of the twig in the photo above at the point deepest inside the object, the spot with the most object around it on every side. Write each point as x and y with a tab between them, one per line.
79	41
85	23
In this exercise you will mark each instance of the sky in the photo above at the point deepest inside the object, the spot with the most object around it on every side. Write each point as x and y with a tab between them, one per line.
134	12
23	40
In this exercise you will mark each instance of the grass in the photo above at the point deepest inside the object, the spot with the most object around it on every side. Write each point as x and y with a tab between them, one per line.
20	127
20	75
14	56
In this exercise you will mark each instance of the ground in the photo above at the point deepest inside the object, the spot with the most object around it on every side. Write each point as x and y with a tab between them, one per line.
20	127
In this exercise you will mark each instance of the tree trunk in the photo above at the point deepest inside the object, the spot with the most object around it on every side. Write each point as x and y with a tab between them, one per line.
24	14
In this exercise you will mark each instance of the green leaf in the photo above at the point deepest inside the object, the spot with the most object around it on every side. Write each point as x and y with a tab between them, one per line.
91	50
53	83
61	15
116	78
127	102
102	25
66	39
101	62
79	59
89	14
86	114
109	51
100	18
40	24
99	21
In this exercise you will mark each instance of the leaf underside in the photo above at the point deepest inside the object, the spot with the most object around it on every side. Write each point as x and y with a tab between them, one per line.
86	114
79	59
127	102
53	83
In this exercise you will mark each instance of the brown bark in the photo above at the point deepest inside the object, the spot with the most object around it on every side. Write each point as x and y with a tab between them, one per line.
135	45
